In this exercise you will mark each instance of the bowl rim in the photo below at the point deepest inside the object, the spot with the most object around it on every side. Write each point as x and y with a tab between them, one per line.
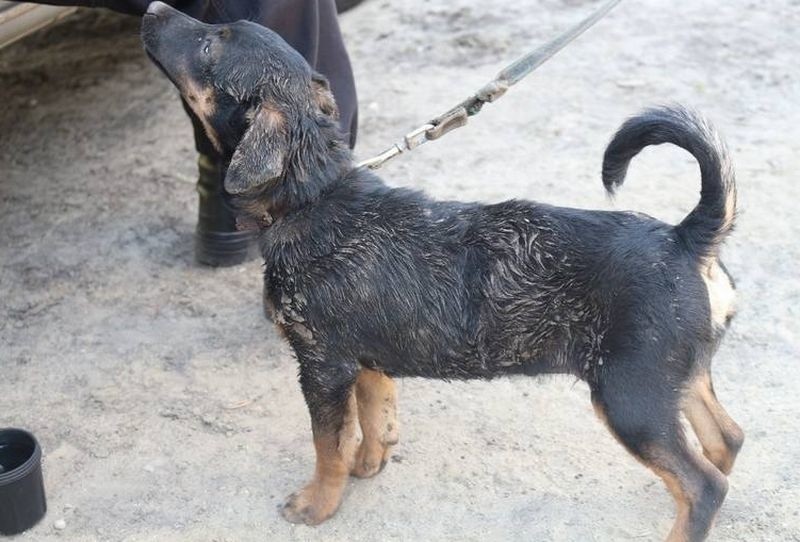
30	464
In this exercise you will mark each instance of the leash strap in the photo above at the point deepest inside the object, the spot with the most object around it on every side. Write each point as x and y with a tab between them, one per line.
494	89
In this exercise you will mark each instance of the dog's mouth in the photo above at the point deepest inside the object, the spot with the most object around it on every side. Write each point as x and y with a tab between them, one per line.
148	30
150	39
155	61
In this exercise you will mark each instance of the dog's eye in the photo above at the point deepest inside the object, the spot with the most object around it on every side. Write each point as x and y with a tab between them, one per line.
207	47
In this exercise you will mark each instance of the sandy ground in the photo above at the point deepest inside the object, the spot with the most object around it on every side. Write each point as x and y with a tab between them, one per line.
168	407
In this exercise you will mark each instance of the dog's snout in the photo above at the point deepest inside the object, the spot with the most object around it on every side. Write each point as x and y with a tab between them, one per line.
156	8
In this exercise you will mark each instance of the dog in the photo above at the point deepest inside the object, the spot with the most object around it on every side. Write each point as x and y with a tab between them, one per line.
368	282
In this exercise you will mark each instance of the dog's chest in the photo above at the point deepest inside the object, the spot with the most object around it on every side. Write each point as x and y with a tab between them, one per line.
287	307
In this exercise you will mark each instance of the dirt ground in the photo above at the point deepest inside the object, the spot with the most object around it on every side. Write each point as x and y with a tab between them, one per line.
167	406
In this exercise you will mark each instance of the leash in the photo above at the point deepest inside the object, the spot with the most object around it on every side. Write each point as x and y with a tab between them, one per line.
494	89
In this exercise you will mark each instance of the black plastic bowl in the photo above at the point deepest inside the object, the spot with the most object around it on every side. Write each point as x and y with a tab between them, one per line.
22	502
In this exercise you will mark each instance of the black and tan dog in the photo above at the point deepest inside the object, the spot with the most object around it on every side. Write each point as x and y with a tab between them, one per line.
370	282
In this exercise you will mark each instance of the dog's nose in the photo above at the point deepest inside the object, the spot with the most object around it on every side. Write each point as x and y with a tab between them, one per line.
157	7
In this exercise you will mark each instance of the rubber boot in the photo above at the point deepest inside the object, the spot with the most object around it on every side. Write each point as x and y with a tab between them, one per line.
217	242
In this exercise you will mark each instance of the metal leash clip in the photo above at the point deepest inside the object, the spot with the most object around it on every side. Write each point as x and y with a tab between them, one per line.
411	141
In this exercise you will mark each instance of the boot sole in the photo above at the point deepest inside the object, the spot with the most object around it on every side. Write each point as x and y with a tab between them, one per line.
224	249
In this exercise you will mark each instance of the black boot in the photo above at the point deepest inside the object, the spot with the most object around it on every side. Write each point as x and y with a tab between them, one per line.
217	242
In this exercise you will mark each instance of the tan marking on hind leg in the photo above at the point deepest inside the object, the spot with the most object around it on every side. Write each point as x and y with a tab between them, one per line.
719	435
707	432
696	485
336	451
682	505
377	412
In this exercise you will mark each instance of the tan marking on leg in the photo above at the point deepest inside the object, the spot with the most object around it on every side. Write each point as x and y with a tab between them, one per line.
350	436
698	497
719	435
321	497
692	495
707	432
721	295
695	484
377	412
682	506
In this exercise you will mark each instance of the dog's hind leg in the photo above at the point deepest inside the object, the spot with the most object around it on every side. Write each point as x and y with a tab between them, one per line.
720	436
377	413
641	409
331	400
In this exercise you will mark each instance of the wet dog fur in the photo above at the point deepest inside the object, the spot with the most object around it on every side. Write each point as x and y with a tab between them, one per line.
370	282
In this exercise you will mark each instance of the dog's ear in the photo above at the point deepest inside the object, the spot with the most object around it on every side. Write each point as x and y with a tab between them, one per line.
323	97
261	154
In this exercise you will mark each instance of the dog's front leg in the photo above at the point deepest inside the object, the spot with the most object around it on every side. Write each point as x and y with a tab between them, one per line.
331	400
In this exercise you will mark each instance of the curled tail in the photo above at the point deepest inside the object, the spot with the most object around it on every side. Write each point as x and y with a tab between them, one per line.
707	225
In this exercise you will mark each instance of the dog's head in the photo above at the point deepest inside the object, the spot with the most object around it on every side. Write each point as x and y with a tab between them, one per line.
262	106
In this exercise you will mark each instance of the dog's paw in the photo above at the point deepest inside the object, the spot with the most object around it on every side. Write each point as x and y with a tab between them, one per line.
369	461
367	469
373	454
311	505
